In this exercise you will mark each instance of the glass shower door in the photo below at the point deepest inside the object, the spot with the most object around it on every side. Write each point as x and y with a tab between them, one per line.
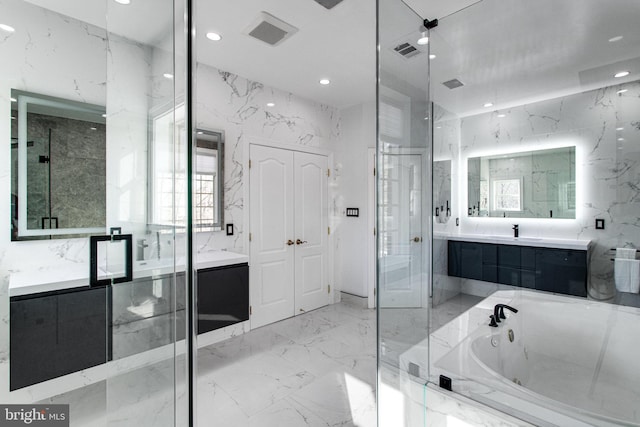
94	317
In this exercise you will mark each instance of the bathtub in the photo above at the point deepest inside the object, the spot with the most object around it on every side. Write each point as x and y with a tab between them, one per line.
560	360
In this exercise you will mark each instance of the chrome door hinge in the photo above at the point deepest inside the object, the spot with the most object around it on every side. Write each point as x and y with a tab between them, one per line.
374	232
374	171
329	230
328	289
249	163
250	310
250	236
328	172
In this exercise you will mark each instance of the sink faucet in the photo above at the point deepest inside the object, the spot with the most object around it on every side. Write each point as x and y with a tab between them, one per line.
141	244
498	313
515	231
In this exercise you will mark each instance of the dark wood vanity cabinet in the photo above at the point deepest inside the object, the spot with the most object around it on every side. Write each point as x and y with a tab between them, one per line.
56	334
547	269
223	296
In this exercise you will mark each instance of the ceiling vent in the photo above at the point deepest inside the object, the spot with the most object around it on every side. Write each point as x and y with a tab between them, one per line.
271	30
407	50
453	83
329	4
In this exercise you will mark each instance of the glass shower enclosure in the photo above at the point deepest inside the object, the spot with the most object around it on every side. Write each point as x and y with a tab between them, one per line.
92	273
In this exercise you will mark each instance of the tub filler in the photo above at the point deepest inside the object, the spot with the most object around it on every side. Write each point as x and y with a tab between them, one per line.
560	360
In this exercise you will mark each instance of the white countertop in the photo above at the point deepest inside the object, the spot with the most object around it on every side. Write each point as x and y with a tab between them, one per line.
539	242
76	276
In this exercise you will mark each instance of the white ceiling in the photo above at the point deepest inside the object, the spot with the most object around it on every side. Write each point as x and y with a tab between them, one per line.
507	53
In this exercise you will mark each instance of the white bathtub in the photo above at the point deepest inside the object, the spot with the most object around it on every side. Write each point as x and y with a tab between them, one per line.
572	362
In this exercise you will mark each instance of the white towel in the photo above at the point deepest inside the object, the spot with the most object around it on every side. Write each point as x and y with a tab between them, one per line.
626	253
627	275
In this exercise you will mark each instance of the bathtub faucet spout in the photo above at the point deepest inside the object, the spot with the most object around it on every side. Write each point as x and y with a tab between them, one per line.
498	311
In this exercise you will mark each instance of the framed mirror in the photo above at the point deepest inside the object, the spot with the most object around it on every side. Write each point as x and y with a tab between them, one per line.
530	184
208	187
58	167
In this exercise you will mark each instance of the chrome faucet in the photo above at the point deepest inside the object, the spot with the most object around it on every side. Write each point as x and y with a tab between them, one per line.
498	313
516	232
141	244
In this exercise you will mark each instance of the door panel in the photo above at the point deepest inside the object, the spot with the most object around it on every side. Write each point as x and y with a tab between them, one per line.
310	182
401	256
272	225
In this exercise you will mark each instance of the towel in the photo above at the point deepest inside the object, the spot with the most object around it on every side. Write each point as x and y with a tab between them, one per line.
627	275
626	253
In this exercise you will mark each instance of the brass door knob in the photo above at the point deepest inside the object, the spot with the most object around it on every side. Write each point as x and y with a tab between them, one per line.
416	239
290	242
300	242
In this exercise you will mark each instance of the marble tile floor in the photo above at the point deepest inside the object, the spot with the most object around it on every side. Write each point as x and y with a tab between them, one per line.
399	327
317	369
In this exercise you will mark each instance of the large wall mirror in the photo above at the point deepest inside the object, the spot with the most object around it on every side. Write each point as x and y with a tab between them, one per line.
58	167
531	184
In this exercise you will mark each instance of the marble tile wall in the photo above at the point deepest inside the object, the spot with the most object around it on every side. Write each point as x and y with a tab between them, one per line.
238	106
606	167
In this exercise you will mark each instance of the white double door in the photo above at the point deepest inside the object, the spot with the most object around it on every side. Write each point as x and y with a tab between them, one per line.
289	233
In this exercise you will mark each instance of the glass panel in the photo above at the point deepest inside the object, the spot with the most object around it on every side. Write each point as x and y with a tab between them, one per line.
93	320
404	225
546	136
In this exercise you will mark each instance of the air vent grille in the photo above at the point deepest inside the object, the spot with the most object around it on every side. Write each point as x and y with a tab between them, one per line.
407	50
453	83
329	4
270	30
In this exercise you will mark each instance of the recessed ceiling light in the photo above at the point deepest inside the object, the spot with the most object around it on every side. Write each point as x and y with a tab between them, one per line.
167	75
426	118
104	115
488	104
13	118
620	139
123	1
424	39
214	36
94	128
502	115
615	39
621	91
14	100
432	56
270	104
7	28
619	129
325	82
438	127
621	74
200	132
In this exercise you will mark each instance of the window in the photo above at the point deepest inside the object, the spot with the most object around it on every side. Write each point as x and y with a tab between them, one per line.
507	194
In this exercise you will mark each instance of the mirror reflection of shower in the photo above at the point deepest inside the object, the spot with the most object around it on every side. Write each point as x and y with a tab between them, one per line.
58	167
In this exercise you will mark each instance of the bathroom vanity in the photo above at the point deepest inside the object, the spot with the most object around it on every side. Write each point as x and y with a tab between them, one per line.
553	265
60	326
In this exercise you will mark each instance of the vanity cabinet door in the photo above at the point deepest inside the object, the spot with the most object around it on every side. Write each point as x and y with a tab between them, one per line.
509	264
562	271
223	297
528	267
32	337
54	335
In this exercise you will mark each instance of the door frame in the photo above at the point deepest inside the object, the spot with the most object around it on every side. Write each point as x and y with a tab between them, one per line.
333	215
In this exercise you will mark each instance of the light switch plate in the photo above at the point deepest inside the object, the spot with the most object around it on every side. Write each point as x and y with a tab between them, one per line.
599	224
